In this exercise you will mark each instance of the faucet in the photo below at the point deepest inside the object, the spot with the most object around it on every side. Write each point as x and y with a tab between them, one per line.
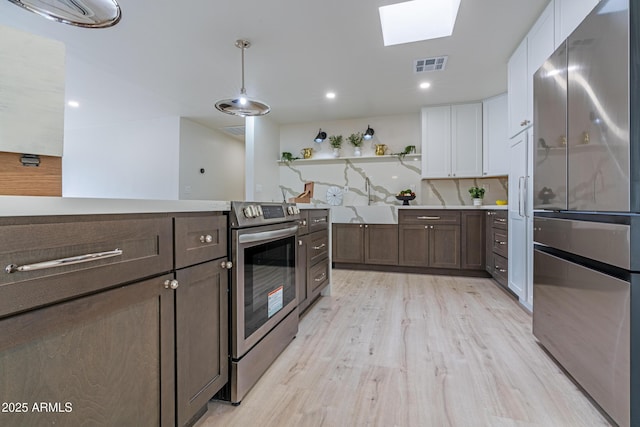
367	188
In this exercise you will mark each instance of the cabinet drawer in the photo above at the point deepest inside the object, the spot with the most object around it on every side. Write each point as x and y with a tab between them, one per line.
144	248
500	219
500	272
500	242
407	216
200	238
318	276
318	220
303	223
318	247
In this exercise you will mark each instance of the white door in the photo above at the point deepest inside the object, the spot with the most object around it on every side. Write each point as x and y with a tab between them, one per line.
520	219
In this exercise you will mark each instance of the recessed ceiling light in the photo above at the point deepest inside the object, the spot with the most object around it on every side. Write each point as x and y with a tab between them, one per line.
425	85
417	20
74	104
331	95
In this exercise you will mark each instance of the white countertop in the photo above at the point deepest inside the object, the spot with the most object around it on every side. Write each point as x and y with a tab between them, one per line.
482	207
388	214
38	206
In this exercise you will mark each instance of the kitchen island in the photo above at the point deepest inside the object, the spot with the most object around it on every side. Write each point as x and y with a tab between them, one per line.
112	310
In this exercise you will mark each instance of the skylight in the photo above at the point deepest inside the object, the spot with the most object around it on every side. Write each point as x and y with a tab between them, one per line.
418	20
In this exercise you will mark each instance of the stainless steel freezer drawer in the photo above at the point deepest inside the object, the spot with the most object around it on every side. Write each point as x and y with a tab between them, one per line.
582	317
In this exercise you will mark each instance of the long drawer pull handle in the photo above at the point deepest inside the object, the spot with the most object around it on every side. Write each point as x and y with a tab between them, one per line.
12	268
315	221
428	217
317	248
501	220
501	270
500	242
321	278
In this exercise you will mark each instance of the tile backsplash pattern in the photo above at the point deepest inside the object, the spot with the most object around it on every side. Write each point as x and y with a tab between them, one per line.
388	176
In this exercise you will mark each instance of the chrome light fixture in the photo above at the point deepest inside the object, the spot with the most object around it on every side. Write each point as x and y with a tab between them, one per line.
243	106
80	13
368	134
321	136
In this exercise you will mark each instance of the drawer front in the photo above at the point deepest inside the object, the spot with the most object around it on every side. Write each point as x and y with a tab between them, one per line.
303	222
428	217
500	219
318	219
318	247
146	246
318	277
500	242
200	238
500	272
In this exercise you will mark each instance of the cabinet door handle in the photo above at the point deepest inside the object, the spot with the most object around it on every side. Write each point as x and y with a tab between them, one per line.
500	242
12	268
206	239
319	247
428	217
171	284
321	278
501	220
226	265
299	242
501	270
524	122
317	220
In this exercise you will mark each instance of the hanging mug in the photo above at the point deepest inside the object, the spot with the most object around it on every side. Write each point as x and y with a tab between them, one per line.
380	149
306	153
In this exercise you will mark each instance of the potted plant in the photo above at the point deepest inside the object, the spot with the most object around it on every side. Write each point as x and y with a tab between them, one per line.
356	140
477	193
336	143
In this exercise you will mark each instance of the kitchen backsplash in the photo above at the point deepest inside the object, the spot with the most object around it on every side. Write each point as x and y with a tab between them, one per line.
387	176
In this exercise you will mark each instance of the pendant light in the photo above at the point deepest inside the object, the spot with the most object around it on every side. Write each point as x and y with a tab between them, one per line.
243	106
85	13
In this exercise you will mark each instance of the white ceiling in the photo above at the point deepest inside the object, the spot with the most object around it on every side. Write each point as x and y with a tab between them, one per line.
168	58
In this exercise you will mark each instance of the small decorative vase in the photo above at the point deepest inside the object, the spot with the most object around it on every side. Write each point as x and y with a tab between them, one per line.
336	152
357	152
477	202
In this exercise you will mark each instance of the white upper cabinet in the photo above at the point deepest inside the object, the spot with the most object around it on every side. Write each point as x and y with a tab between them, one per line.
452	141
525	61
569	14
495	137
31	93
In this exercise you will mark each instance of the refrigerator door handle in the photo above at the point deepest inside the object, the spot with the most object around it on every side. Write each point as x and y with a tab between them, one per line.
525	197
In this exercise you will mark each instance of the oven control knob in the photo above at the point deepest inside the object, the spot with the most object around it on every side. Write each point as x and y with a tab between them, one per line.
259	210
249	211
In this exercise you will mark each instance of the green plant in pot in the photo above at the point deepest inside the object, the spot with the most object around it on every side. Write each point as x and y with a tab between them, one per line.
336	143
356	140
477	193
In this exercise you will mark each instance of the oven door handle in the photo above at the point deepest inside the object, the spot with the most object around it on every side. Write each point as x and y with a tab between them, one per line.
267	235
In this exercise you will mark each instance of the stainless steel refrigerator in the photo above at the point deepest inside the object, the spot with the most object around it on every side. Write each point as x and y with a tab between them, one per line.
587	198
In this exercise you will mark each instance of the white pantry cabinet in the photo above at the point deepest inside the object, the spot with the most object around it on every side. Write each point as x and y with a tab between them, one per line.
452	141
534	49
32	93
495	138
569	14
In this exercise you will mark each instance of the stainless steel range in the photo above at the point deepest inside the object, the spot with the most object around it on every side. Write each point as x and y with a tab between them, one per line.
263	311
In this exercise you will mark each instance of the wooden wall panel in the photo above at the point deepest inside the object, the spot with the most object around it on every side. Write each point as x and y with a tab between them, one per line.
18	180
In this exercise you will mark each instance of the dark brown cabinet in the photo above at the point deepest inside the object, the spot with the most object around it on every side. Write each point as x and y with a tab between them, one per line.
365	244
121	338
473	240
429	238
497	245
312	256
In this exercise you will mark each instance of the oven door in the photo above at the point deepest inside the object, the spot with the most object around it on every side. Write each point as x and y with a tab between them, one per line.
263	287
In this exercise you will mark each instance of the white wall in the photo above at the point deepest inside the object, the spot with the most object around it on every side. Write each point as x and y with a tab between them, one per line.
222	158
137	159
262	142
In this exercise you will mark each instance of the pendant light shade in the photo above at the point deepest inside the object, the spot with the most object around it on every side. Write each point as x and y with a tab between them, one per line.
243	106
321	136
86	13
368	134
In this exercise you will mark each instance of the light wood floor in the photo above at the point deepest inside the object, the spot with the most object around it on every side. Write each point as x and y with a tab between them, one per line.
390	349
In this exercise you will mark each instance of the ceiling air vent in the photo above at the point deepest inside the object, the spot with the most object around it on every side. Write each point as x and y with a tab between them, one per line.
235	131
436	63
